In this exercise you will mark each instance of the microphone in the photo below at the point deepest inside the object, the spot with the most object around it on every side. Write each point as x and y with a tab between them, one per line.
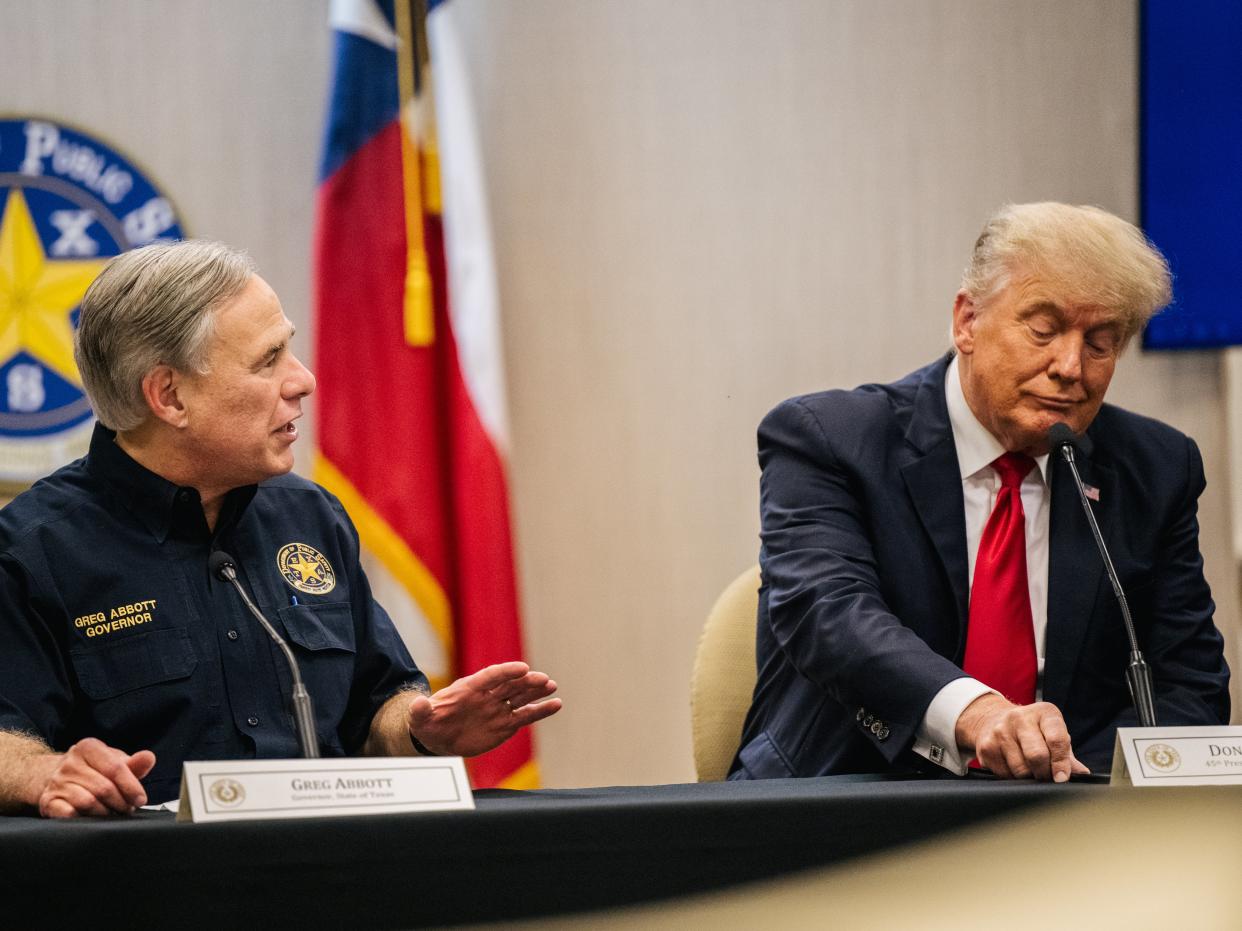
1138	673
224	568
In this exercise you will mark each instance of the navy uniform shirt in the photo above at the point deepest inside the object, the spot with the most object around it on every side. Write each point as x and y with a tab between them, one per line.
111	625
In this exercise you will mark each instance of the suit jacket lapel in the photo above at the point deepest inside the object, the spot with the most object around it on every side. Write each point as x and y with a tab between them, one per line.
1075	573
932	477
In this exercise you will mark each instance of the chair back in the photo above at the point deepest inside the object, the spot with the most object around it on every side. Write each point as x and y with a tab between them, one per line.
724	677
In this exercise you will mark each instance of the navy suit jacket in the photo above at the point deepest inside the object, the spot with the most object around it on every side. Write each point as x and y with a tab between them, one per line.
863	602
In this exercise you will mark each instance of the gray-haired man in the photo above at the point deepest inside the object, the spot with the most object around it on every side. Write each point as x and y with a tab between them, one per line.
123	656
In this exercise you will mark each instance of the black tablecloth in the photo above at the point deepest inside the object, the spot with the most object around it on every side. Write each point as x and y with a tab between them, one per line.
520	854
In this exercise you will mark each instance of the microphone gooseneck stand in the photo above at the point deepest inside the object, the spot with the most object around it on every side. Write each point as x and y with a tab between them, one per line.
223	567
1138	673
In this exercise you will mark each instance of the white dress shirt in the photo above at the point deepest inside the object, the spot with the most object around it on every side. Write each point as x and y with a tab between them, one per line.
976	449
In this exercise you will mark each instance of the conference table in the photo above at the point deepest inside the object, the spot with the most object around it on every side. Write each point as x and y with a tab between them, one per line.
517	855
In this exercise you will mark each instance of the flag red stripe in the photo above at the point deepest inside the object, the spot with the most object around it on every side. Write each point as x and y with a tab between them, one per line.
398	421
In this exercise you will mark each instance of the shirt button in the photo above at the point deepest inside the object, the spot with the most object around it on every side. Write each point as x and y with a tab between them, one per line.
252	721
232	635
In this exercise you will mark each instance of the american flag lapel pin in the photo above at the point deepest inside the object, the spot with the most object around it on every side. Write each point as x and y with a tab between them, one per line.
1091	491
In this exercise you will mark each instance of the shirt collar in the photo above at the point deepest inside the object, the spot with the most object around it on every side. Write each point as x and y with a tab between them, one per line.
976	447
159	504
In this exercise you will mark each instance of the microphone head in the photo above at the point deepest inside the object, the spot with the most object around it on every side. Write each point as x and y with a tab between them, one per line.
1060	435
221	565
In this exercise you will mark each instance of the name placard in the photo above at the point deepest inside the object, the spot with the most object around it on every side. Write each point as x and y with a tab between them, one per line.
242	790
1177	756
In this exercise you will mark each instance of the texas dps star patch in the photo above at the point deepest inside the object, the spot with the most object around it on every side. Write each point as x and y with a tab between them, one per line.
68	203
306	569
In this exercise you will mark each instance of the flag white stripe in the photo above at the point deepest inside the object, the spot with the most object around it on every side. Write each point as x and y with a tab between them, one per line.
473	300
362	18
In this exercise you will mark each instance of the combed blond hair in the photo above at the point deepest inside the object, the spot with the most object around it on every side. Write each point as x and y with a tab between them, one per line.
152	306
1093	257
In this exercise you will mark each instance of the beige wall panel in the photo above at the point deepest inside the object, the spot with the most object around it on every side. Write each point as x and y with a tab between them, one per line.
702	207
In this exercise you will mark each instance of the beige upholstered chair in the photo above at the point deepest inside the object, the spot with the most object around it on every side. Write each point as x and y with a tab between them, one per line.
724	677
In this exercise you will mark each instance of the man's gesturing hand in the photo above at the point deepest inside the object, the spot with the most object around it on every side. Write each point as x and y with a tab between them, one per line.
1018	741
92	778
482	710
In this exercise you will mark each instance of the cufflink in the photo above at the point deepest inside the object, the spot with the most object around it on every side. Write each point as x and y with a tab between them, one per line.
937	754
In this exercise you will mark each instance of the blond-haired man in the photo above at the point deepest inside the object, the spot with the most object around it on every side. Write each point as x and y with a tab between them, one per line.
931	591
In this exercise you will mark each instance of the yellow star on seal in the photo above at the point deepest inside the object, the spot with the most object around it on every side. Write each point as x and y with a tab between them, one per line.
37	295
306	568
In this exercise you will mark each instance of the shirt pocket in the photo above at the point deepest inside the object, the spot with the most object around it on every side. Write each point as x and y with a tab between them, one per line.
319	627
113	668
322	638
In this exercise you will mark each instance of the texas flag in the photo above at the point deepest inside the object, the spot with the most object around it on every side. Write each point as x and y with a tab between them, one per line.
411	402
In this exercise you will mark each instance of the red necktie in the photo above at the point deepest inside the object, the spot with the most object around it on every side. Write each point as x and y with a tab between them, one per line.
1000	635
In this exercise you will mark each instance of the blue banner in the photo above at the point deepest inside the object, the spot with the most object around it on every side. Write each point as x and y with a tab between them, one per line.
1191	157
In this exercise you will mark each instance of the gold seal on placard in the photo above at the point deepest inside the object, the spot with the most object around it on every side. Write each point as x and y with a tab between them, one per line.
1163	757
227	792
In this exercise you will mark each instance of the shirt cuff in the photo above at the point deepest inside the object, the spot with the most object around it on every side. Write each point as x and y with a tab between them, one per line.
935	737
419	748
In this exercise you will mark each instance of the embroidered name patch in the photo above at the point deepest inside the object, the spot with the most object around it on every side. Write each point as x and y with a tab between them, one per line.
121	617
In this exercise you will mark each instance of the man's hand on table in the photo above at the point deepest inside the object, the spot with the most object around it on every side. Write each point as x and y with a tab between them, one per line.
1018	741
482	710
90	778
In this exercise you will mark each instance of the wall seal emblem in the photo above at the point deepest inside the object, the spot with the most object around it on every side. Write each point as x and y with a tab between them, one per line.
68	203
